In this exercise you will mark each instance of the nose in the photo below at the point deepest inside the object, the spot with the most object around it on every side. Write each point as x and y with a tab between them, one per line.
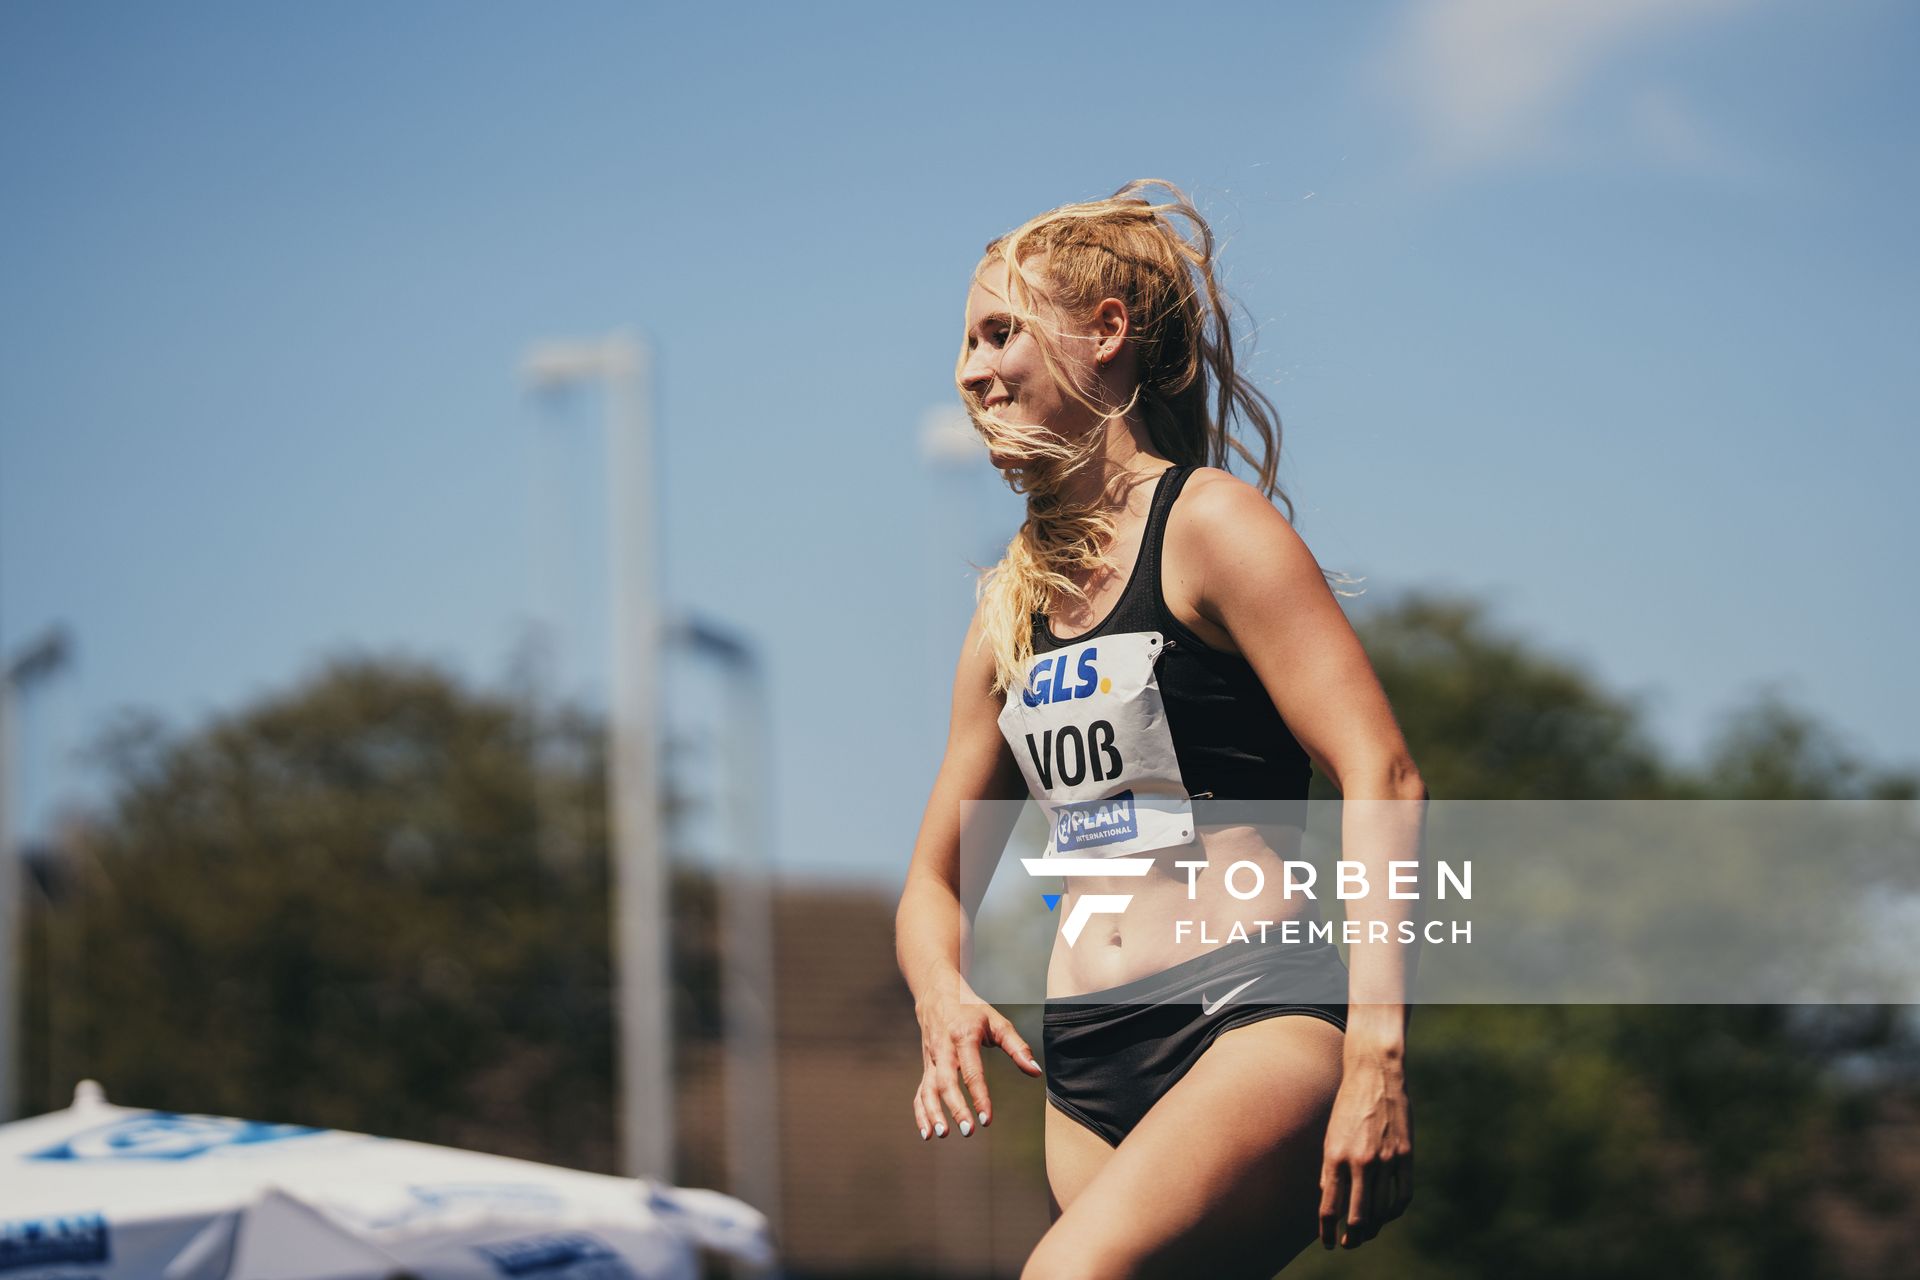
978	373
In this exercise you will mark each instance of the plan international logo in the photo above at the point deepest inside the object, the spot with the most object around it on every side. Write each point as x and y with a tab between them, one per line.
1092	823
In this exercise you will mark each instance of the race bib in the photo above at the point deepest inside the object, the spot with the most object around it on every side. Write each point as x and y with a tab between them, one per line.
1091	735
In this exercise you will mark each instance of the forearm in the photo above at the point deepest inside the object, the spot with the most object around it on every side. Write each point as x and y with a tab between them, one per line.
1381	824
932	936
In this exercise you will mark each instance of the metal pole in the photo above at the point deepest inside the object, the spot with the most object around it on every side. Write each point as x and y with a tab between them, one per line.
622	365
10	880
38	660
641	916
747	962
747	965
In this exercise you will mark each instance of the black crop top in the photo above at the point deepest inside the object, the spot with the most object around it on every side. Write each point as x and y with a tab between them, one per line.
1229	739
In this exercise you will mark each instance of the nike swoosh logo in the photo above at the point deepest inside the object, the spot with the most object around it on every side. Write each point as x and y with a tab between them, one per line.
1207	1008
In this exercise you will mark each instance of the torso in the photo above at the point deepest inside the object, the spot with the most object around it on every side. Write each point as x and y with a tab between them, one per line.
1140	941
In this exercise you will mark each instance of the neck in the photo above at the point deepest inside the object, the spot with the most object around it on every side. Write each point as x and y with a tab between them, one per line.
1123	451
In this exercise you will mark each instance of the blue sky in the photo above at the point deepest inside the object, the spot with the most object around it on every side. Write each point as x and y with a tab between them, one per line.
1599	311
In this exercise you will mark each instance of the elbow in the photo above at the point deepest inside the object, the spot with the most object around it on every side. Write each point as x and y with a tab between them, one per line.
1387	778
1404	781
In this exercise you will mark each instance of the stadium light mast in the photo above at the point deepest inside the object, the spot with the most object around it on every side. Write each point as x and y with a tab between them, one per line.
748	967
33	663
622	365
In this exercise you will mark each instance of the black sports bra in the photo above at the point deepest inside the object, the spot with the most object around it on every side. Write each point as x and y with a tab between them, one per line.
1227	735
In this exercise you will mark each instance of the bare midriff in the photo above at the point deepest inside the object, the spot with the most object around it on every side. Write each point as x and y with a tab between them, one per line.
1144	939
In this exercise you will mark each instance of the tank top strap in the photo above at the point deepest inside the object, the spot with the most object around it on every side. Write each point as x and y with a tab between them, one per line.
1139	609
1155	538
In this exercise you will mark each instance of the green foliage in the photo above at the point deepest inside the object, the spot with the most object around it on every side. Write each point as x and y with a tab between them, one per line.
1486	717
1772	750
332	908
1603	1141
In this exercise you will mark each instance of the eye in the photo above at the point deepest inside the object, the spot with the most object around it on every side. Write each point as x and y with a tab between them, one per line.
998	335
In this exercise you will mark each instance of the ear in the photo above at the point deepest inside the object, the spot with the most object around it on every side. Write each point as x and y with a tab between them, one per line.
1111	324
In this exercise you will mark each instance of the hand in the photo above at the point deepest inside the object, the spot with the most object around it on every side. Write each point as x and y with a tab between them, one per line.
1366	1177
954	1022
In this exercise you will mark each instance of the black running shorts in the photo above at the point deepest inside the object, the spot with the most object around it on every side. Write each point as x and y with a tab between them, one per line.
1111	1054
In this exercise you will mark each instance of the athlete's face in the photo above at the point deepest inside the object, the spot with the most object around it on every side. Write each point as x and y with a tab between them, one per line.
1004	371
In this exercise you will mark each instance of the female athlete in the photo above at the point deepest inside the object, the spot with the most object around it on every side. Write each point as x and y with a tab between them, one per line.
1157	642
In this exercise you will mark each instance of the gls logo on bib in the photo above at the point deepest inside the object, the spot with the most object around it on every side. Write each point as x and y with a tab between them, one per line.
1047	679
1090	732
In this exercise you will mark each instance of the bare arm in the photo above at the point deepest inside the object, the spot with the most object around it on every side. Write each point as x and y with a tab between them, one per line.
1261	584
933	924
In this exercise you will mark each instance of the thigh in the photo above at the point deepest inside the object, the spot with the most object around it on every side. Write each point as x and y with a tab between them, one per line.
1222	1176
1075	1154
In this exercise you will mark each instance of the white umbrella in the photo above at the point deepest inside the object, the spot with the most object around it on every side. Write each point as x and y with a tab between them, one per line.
121	1193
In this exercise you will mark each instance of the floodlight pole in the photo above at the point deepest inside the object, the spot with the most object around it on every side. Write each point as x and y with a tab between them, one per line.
748	966
622	364
35	662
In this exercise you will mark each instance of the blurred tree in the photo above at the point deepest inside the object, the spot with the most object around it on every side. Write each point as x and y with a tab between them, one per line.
330	908
1769	749
1618	1141
1488	717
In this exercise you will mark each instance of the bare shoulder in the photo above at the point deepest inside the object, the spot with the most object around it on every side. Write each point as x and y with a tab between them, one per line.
1211	492
1225	517
1226	540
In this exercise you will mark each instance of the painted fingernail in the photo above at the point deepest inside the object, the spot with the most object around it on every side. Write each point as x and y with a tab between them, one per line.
923	1133
941	1128
966	1129
983	1119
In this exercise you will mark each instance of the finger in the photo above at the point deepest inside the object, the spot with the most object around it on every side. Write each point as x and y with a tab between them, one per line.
920	1116
949	1093
1333	1191
1356	1208
1374	1207
1373	1182
1385	1195
1017	1048
930	1100
973	1073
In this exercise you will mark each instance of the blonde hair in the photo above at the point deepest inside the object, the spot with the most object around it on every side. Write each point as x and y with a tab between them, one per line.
1128	248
